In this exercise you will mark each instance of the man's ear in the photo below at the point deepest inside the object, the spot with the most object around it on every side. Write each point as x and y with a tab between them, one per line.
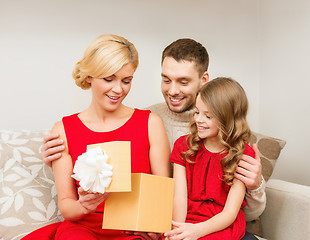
204	78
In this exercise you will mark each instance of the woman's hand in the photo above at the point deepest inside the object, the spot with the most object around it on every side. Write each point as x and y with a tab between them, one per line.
90	201
145	235
186	231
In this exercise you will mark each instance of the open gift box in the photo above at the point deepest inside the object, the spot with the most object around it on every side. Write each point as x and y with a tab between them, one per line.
137	201
147	208
119	156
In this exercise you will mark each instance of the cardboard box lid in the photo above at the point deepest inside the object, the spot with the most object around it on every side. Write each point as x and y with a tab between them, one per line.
147	208
119	156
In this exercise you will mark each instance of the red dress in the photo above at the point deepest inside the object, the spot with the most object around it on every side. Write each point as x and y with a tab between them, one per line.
207	193
78	137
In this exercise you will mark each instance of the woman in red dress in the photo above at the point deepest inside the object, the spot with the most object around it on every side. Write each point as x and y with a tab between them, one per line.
107	68
208	199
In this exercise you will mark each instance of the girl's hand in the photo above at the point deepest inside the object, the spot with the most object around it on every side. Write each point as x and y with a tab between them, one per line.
186	231
90	201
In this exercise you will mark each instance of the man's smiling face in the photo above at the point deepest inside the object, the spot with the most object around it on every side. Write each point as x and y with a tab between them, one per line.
180	84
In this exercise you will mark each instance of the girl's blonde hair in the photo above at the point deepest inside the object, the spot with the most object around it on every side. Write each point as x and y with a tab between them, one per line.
227	102
104	57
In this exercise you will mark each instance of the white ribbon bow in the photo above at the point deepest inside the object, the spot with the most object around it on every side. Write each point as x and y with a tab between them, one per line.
93	171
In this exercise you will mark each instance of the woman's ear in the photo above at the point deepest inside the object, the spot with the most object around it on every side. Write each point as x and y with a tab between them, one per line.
88	79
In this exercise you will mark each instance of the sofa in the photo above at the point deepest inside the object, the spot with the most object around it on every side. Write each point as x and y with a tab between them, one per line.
28	198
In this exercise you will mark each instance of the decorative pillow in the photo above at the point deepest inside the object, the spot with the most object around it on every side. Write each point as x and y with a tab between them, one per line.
269	151
27	194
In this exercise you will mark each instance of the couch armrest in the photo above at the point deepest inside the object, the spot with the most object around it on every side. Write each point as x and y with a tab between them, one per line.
287	213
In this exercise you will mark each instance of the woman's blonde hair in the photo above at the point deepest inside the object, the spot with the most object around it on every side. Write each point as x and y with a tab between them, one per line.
104	57
227	102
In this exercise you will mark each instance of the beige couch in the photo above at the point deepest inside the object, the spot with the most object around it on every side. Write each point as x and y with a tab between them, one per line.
28	197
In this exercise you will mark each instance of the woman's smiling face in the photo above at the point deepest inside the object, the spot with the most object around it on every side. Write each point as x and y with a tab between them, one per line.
109	92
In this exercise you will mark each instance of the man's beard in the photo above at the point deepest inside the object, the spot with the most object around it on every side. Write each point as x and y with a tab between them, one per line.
186	108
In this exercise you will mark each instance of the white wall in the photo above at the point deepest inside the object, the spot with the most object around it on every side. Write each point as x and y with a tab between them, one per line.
285	84
40	41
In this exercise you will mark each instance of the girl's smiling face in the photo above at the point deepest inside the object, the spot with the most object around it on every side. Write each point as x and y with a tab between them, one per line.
207	125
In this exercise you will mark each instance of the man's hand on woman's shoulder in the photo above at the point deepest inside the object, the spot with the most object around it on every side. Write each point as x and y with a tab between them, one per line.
52	148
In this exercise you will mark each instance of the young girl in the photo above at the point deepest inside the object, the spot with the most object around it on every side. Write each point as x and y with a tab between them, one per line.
107	68
208	199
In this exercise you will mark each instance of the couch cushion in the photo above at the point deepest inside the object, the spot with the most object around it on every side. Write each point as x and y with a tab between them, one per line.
27	195
269	150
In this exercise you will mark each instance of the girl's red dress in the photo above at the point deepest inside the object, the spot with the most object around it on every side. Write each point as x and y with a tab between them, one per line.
78	137
207	193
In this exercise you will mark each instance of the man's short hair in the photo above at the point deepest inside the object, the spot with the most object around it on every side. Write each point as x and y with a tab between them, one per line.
187	49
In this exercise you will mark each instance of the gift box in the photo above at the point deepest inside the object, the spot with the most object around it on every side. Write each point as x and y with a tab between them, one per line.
147	208
119	157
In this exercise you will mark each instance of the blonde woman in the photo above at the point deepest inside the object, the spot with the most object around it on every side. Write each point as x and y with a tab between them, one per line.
107	68
208	199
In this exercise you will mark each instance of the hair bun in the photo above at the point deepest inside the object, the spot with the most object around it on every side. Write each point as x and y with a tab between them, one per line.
77	75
